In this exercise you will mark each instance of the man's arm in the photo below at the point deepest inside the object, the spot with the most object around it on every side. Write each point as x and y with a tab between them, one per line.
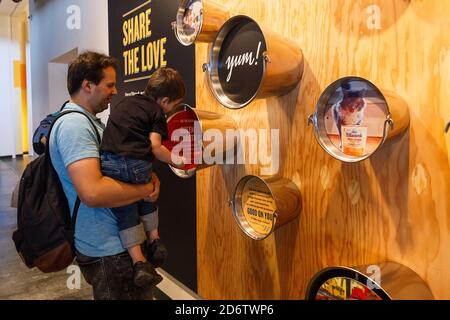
98	191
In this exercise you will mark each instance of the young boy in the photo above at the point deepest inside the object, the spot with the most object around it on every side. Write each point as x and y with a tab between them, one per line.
131	141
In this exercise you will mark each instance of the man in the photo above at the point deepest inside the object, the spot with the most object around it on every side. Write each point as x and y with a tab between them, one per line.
74	150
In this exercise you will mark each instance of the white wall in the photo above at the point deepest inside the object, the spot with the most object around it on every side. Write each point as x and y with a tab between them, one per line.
51	39
7	116
11	35
18	37
57	75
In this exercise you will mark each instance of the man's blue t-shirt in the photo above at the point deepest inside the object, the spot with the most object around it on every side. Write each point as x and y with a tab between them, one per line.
72	139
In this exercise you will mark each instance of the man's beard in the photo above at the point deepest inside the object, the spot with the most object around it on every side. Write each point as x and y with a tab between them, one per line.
103	106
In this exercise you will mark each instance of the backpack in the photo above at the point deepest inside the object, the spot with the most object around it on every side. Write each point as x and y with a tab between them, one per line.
42	130
45	234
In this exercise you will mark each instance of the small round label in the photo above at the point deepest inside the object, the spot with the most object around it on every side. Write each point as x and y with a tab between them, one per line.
259	206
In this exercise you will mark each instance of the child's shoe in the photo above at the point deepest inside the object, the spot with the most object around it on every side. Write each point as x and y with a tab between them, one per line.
157	253
145	275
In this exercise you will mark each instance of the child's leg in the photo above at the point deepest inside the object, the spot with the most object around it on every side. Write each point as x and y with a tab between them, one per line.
131	230
150	218
136	254
132	236
156	251
153	235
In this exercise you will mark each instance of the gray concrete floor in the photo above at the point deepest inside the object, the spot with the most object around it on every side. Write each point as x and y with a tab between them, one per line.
17	282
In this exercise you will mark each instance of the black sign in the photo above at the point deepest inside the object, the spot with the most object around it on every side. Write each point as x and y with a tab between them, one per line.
141	38
241	61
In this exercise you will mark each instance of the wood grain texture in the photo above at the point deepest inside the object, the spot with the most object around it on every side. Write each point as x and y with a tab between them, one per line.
215	15
395	206
399	111
285	68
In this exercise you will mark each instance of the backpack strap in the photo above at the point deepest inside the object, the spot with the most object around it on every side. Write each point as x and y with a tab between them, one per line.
64	105
63	113
73	219
75	214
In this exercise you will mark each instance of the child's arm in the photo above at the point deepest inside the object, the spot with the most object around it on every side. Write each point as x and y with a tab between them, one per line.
162	153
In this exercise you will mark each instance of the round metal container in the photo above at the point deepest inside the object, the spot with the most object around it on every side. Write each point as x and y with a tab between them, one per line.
247	63
354	119
197	123
261	206
198	21
386	281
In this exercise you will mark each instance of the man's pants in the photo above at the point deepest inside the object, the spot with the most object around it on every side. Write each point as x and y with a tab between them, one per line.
112	278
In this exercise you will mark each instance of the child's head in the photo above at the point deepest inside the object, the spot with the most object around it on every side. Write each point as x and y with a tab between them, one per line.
167	87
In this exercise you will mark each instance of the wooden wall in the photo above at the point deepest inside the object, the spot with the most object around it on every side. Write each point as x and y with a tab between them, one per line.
395	206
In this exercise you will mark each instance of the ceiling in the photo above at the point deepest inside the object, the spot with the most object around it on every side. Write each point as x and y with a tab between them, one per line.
9	7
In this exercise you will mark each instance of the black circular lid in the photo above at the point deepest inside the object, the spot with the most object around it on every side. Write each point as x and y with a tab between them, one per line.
240	63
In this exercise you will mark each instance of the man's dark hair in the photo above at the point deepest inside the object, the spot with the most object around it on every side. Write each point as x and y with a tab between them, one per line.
166	82
88	66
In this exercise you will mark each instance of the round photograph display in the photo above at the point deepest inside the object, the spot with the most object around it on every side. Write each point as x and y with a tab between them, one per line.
199	21
189	21
352	119
384	281
340	288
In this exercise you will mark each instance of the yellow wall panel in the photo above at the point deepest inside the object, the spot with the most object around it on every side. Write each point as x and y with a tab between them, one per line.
17	75
20	82
20	75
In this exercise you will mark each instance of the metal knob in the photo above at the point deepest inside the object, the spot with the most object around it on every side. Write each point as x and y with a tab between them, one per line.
311	119
231	203
390	121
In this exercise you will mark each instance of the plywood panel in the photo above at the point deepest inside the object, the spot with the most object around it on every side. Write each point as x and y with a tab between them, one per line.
395	206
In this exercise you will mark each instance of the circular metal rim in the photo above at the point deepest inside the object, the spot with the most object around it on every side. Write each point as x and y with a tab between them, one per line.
240	218
179	30
341	272
322	137
184	174
213	70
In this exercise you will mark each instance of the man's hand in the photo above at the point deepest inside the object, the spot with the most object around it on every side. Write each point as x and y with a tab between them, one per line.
157	184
